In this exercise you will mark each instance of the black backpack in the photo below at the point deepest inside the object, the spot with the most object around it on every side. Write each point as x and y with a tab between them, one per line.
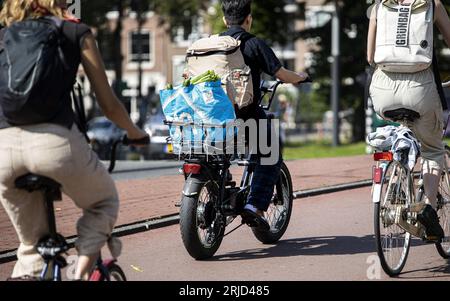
33	71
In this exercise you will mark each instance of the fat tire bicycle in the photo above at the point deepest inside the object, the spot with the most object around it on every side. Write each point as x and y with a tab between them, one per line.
211	201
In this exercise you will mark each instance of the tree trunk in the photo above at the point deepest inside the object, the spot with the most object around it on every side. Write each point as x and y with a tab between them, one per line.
118	56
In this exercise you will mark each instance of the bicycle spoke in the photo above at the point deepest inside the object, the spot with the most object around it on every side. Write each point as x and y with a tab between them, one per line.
394	241
444	208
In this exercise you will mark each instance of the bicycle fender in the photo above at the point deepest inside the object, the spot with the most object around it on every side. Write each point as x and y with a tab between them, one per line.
376	194
193	185
378	178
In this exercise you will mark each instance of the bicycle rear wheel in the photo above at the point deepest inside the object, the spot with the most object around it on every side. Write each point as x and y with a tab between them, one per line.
392	242
279	212
443	209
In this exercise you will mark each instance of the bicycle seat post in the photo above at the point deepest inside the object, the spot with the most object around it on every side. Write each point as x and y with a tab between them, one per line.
50	197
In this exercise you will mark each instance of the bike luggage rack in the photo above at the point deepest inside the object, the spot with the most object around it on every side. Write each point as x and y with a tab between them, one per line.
212	150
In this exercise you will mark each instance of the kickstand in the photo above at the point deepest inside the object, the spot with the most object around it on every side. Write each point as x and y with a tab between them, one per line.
220	237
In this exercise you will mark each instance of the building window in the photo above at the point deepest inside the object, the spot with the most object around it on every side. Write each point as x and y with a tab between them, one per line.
145	46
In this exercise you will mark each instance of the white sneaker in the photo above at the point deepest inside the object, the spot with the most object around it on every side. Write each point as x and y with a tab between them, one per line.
251	208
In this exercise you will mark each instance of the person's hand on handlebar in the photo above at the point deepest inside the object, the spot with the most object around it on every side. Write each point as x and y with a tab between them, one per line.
290	77
137	137
305	78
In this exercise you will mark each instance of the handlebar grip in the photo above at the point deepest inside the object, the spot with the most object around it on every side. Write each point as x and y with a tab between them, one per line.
143	141
307	80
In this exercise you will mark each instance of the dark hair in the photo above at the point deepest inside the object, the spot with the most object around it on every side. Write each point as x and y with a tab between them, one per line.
236	11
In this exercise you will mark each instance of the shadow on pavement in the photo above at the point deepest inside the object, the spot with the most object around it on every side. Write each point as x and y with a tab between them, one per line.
444	270
313	246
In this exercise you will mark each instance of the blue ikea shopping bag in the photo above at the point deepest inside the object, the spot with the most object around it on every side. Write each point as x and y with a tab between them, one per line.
213	107
175	107
205	104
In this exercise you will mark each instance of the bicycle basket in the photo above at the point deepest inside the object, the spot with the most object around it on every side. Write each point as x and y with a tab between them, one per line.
199	117
190	138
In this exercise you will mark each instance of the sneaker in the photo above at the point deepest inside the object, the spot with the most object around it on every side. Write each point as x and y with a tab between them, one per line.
253	219
429	218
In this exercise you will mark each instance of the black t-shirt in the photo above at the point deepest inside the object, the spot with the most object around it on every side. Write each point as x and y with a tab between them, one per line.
260	58
74	33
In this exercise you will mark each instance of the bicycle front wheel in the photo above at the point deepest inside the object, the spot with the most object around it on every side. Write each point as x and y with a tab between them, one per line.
116	273
392	242
279	213
443	209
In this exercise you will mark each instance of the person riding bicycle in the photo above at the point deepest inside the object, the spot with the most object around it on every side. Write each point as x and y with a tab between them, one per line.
260	58
414	87
55	148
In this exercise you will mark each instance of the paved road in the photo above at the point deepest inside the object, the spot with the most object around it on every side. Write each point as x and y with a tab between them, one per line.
147	194
330	238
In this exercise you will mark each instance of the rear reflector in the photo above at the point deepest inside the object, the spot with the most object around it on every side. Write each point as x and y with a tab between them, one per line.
192	168
386	156
377	175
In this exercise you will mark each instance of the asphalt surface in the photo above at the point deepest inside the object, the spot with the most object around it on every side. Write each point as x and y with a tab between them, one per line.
330	237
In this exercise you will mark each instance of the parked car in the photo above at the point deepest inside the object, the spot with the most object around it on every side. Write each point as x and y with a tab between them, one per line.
158	132
103	133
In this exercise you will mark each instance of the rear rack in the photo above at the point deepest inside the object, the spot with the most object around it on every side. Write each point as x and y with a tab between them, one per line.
205	140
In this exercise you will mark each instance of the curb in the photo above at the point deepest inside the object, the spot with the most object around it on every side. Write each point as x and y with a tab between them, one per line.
173	219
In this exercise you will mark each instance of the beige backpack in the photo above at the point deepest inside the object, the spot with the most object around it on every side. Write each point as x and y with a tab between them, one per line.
404	41
223	55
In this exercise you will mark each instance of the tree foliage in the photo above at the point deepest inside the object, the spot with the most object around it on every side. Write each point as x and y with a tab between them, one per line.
270	20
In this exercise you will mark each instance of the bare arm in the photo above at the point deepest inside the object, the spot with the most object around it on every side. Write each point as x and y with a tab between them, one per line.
443	21
110	105
371	36
290	77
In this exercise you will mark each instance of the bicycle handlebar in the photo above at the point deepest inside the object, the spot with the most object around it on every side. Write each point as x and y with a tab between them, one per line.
126	142
272	89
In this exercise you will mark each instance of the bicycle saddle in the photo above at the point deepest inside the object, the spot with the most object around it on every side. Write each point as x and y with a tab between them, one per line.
402	114
31	182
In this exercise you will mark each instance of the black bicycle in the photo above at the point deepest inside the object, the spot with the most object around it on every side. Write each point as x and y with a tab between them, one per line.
211	200
54	245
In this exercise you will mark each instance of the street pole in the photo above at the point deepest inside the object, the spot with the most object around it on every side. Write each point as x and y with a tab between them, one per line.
336	72
140	19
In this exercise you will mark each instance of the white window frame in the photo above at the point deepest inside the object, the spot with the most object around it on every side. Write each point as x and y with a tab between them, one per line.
145	64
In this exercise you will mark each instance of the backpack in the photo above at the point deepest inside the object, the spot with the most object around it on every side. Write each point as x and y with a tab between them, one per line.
404	40
33	71
223	55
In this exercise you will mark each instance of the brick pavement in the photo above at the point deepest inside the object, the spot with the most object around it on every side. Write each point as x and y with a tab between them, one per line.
155	197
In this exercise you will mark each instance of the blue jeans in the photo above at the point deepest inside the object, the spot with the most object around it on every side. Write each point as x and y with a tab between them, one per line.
265	177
